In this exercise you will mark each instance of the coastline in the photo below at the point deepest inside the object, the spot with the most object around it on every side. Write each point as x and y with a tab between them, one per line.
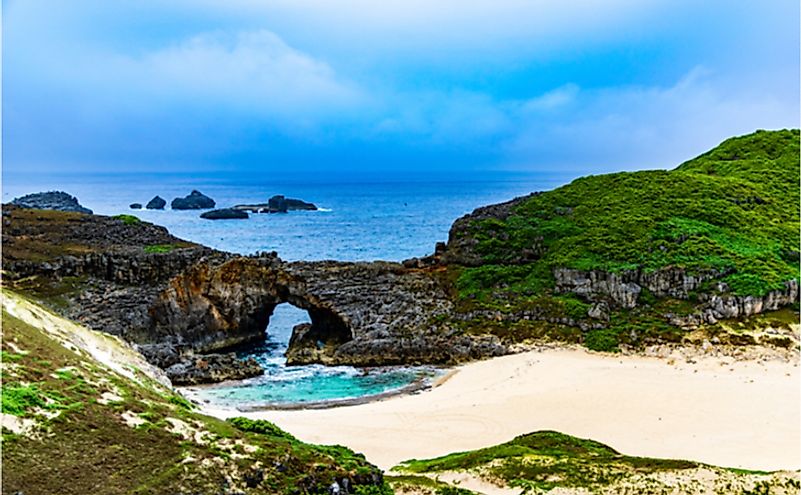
416	386
713	409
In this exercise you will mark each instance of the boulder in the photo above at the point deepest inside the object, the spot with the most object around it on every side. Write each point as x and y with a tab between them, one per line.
195	201
136	206
52	200
212	368
225	214
157	203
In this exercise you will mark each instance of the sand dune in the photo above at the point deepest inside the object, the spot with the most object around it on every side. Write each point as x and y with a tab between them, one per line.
743	414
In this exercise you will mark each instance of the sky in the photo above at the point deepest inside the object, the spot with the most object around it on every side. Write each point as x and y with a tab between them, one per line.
412	88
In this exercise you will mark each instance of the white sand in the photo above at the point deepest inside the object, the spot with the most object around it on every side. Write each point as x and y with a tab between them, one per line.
735	414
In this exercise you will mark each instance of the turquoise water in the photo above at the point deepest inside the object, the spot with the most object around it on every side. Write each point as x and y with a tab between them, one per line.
283	384
358	221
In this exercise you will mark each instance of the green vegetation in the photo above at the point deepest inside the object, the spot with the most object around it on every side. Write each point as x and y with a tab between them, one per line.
733	209
731	212
160	248
541	461
128	219
109	434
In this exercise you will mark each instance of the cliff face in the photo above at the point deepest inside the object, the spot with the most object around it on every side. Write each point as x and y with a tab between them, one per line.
361	313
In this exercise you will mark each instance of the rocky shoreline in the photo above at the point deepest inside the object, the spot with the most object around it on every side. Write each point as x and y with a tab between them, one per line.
185	306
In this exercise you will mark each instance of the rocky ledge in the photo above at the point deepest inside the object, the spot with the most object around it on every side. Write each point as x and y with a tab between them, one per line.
53	200
212	368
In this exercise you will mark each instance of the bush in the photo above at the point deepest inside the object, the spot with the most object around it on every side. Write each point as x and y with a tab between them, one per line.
128	219
602	340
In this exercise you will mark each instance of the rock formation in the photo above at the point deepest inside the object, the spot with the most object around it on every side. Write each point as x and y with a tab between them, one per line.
277	204
157	203
135	206
194	201
225	214
361	313
212	368
53	200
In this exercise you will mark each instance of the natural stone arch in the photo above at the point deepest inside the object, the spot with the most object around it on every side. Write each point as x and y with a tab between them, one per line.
212	307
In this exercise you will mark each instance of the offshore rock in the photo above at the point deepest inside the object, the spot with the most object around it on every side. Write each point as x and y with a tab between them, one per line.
277	204
135	206
225	214
53	200
157	203
195	201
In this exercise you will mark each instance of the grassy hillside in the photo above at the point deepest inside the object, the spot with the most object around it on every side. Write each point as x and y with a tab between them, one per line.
546	460
733	211
75	425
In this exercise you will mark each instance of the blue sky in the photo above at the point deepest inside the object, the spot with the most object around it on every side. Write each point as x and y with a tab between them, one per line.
413	88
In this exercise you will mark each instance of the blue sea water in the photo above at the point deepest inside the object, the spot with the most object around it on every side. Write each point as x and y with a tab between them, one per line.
356	221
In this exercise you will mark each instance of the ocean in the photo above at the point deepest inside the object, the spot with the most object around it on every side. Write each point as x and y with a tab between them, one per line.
356	221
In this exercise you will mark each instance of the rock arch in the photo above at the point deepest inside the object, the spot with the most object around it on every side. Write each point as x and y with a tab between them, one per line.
215	306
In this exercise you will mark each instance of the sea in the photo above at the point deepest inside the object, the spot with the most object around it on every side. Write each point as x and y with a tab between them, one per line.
357	220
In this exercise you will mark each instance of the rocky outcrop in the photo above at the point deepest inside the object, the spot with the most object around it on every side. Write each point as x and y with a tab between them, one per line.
53	200
623	289
157	203
361	313
461	247
277	204
212	368
195	201
135	206
225	214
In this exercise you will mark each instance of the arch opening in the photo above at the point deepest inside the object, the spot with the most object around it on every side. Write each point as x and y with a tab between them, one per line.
303	332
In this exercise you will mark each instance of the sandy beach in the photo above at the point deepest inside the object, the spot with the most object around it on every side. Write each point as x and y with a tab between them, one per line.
744	414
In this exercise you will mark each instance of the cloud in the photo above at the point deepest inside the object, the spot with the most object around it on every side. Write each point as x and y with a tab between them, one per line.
252	71
645	126
521	84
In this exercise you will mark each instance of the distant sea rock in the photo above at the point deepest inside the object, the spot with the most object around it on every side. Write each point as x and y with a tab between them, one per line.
195	201
157	203
52	200
278	204
225	214
136	206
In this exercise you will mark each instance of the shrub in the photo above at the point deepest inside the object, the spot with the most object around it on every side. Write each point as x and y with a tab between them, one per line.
128	219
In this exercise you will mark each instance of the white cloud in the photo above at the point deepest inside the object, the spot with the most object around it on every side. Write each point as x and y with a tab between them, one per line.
251	71
645	127
551	100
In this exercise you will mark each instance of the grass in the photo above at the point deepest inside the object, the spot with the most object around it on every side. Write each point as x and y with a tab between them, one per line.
128	219
89	444
159	248
732	211
542	461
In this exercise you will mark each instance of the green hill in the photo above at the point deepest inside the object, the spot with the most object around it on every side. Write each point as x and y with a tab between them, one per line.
539	462
82	413
729	217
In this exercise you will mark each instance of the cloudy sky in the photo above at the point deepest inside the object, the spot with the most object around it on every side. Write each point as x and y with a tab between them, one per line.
411	88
